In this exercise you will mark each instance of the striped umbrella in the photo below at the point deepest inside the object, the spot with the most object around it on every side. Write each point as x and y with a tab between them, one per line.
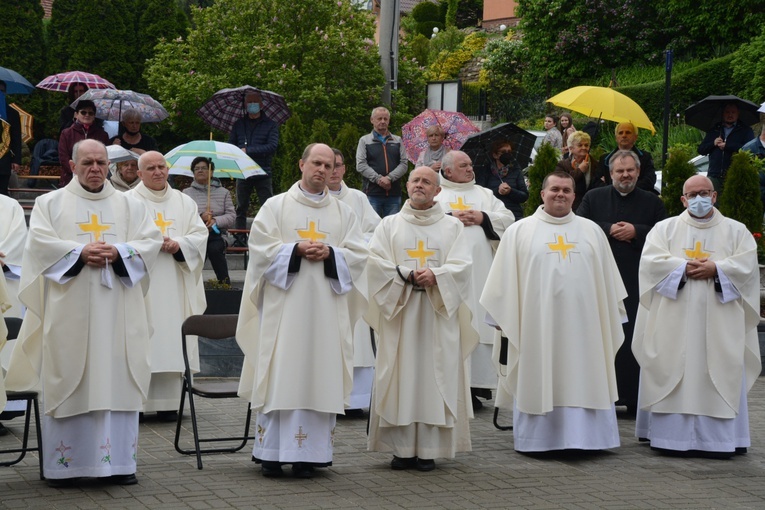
27	123
230	161
227	106
62	81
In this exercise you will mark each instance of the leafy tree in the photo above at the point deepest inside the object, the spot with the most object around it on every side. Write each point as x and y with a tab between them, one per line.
675	173
569	42
741	198
98	37
320	56
544	163
749	69
320	132
24	51
156	20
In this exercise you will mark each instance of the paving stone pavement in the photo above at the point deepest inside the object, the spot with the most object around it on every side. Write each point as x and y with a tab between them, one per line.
493	475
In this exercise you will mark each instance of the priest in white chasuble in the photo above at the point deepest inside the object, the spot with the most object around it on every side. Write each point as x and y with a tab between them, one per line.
295	324
485	218
13	235
85	335
696	333
177	290
5	305
419	287
363	353
554	290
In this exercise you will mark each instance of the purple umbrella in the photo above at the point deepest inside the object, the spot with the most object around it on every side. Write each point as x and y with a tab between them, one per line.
457	128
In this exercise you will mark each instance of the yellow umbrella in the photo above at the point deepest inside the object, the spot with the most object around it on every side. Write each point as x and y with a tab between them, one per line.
603	103
26	123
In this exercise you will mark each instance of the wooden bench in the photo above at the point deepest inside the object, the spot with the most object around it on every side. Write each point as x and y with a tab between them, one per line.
243	250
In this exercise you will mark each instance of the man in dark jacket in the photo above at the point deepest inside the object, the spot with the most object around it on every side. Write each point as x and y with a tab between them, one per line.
721	142
10	141
258	137
381	160
626	214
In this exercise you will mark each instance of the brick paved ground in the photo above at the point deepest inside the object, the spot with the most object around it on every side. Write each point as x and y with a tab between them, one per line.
492	476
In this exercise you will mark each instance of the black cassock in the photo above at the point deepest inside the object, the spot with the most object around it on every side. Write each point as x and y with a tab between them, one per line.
643	209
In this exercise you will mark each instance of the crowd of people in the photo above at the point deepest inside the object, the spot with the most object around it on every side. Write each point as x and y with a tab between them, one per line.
596	300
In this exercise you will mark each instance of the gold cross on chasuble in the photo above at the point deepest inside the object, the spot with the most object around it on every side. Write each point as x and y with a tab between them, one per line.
561	246
696	253
300	436
311	233
94	227
162	223
460	205
421	254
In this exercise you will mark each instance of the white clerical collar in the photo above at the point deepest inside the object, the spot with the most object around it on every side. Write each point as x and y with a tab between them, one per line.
335	193
316	197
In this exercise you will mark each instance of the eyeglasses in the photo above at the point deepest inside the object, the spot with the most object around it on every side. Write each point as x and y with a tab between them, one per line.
201	168
87	113
703	194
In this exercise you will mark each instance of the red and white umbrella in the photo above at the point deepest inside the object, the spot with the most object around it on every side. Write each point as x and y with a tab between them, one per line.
62	81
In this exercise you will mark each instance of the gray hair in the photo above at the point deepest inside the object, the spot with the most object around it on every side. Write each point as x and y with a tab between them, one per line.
131	114
380	109
621	154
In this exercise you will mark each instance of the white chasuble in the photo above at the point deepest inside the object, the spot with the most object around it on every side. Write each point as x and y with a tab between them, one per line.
695	350
87	343
421	401
5	305
13	236
176	290
469	196
295	328
555	291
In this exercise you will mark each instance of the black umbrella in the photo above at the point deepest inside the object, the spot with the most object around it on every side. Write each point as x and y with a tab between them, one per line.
478	146
705	114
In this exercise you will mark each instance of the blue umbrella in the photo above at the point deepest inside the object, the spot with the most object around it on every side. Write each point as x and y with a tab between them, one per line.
14	82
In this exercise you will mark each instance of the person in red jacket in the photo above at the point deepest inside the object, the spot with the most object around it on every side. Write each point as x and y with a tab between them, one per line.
84	127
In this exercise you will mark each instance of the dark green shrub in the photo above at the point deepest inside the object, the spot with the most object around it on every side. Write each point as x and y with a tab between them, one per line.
741	197
544	163
675	173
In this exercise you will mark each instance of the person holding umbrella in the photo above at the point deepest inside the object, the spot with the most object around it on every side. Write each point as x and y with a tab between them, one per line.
503	176
217	211
722	141
258	137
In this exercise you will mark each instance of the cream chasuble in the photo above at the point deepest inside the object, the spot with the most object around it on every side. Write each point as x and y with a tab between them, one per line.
363	354
555	291
694	351
176	290
5	305
87	343
425	336
297	336
469	196
13	236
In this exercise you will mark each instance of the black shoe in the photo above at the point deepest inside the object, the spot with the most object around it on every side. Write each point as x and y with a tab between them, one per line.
426	464
9	415
62	483
3	430
477	404
302	470
401	463
167	416
271	469
123	479
741	450
354	413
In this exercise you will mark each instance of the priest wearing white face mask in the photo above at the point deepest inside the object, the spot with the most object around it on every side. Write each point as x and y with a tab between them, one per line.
696	332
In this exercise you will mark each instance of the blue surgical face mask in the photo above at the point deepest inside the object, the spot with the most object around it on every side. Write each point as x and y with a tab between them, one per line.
699	206
253	108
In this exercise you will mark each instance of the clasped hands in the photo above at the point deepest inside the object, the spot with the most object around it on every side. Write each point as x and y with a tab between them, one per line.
97	254
469	217
170	246
700	269
313	250
622	231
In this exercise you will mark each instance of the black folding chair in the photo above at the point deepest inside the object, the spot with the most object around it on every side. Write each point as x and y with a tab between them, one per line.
212	327
14	324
